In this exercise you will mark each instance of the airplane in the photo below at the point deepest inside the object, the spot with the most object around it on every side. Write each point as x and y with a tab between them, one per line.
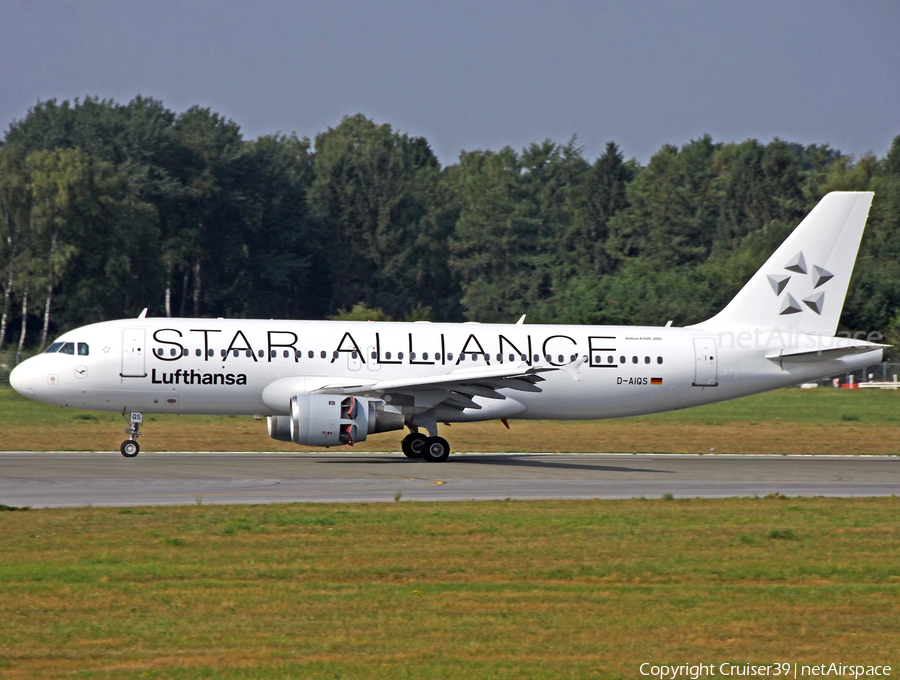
333	383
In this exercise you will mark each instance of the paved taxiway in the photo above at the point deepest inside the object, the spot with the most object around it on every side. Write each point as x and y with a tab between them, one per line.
61	479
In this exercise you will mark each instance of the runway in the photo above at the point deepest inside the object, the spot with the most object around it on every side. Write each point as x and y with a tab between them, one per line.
72	479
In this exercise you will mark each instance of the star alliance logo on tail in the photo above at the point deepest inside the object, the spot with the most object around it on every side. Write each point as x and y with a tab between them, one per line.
814	299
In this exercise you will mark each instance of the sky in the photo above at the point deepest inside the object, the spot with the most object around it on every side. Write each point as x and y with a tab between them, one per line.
471	75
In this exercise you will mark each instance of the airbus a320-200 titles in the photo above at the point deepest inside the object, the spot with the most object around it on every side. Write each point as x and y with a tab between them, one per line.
333	383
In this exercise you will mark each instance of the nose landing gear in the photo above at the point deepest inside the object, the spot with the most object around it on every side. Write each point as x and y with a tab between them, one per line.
130	448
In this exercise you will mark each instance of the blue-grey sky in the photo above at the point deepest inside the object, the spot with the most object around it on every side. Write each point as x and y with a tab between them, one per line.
472	74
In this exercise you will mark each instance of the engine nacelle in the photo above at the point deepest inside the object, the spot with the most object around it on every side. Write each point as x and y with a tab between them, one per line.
280	428
333	420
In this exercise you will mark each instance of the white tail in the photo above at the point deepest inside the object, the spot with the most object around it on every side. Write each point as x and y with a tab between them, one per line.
803	285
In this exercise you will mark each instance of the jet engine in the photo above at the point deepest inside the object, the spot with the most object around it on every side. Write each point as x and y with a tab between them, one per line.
333	420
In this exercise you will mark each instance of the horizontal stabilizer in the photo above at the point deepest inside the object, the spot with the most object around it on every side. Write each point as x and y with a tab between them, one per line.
810	356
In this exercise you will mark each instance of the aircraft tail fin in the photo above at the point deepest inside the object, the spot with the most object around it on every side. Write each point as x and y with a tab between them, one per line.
802	286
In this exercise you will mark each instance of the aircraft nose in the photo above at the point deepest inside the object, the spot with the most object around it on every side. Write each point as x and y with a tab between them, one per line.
22	379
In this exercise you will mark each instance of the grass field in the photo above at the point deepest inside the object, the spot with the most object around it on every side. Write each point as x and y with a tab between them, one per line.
499	590
823	420
511	590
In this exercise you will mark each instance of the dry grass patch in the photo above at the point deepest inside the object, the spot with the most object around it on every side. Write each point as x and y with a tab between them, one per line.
787	421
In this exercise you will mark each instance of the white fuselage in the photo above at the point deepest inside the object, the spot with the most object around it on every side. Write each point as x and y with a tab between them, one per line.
224	366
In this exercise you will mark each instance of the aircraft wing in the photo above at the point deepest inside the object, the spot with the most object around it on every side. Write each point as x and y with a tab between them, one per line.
454	389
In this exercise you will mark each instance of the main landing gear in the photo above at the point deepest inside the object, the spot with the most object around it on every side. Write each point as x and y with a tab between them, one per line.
430	449
130	448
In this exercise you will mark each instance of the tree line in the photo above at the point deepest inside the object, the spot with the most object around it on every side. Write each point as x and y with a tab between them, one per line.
107	208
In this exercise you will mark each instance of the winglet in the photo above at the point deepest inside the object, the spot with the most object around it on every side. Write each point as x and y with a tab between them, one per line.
573	368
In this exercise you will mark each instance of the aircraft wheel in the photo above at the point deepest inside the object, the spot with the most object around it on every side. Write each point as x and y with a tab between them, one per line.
413	444
130	448
436	450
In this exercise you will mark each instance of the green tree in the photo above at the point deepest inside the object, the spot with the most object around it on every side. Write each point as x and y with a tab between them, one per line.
14	212
672	208
277	274
371	194
60	183
873	303
209	226
495	249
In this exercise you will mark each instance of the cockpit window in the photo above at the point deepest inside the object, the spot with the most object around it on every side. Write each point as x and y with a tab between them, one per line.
52	349
83	349
68	348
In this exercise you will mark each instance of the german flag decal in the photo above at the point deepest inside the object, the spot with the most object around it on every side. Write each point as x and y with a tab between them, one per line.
656	381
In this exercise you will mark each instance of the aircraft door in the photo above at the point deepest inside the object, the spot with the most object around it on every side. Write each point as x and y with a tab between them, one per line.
370	361
133	353
354	361
705	362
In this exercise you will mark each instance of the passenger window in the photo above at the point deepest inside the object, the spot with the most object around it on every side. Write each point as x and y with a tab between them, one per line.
311	354
68	348
646	360
323	354
659	360
354	355
54	348
634	360
197	352
286	354
83	349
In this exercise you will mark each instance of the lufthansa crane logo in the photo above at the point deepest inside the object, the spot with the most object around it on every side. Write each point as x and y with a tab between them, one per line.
812	297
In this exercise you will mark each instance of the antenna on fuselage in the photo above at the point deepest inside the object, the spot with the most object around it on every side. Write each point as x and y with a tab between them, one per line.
143	315
521	320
